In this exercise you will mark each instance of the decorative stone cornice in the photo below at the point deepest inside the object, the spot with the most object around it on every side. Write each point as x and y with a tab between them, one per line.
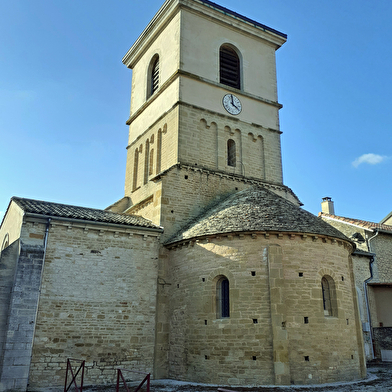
272	235
107	229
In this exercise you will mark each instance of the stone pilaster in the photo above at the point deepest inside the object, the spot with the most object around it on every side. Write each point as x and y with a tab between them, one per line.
22	314
280	340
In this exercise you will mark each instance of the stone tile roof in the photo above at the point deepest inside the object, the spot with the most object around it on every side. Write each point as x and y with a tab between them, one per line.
88	214
361	223
256	209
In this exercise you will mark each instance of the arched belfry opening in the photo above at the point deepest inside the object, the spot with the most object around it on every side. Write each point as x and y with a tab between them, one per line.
153	76
229	67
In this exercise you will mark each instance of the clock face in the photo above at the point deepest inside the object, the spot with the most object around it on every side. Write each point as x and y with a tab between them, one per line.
232	104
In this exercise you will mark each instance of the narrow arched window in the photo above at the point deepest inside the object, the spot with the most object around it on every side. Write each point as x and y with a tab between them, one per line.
223	298
153	75
231	153
151	166
329	296
135	169
146	161
159	151
229	67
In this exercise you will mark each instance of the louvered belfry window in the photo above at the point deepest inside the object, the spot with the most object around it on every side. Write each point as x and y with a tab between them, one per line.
229	67
155	75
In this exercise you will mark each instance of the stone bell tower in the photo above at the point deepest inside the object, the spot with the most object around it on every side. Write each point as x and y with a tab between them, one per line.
204	119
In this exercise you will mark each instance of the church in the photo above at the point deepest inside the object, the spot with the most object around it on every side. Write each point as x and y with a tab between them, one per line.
207	270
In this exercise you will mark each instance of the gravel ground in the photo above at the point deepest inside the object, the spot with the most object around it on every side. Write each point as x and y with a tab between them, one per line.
379	379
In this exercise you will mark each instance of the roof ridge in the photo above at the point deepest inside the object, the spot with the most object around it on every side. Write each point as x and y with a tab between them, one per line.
359	222
16	198
69	211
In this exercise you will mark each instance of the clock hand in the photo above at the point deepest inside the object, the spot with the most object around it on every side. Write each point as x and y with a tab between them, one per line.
232	101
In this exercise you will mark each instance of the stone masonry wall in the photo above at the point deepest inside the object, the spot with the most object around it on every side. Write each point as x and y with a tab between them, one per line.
277	331
97	303
203	137
8	262
22	319
382	246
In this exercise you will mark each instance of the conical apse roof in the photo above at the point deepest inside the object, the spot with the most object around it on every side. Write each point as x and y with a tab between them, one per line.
255	209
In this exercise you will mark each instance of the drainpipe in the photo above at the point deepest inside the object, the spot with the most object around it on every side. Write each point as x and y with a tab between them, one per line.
365	283
46	237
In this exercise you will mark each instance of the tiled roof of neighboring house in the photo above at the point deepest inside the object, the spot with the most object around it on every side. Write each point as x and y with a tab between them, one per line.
361	223
256	209
87	214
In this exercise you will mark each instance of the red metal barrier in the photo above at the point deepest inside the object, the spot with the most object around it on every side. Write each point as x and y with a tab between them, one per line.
120	375
69	368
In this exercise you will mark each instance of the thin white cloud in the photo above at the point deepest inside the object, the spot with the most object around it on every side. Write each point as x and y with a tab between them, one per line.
371	159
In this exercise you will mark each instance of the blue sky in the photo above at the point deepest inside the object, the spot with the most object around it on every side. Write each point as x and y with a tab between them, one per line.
65	96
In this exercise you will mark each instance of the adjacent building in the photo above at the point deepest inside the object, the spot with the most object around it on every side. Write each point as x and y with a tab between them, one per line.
372	261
